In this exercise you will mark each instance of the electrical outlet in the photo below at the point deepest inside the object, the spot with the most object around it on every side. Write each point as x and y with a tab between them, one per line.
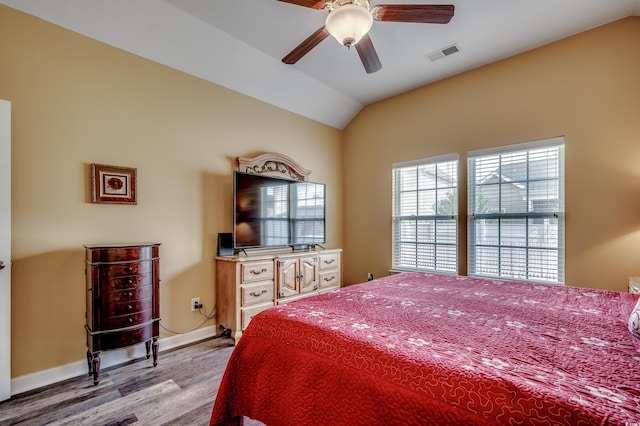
195	304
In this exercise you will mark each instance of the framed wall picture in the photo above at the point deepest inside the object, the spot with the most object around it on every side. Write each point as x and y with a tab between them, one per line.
113	185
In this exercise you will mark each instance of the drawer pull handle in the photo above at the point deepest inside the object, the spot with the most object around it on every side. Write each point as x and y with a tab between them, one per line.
329	262
254	272
130	281
315	287
130	319
256	294
129	294
330	279
130	307
129	269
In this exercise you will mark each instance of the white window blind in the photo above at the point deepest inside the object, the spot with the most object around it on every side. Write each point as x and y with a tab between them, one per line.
516	211
308	212
425	214
273	216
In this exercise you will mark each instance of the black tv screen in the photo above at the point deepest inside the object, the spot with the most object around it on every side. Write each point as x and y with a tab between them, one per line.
271	212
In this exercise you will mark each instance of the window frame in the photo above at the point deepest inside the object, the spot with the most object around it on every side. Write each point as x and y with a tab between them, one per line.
397	219
528	216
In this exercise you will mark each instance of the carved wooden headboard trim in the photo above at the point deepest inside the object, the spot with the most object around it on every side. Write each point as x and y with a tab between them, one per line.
273	164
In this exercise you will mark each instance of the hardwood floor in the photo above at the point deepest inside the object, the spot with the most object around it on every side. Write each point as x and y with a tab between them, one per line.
180	390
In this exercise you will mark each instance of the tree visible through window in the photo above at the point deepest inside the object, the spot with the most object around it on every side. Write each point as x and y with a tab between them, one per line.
425	214
516	211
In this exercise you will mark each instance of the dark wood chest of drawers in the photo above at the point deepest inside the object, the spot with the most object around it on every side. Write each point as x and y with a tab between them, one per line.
123	308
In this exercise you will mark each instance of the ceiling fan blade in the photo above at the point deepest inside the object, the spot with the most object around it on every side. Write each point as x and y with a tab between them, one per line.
303	48
313	4
420	13
368	55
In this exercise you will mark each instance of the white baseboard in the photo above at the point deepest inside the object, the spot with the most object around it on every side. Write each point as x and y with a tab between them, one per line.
107	359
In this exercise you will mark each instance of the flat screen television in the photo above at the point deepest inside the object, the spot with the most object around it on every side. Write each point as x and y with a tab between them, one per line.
272	212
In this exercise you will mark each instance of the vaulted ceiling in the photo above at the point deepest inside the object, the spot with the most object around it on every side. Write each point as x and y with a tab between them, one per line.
239	44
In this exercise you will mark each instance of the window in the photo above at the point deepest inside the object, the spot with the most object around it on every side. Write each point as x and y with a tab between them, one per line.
425	214
308	213
516	211
274	202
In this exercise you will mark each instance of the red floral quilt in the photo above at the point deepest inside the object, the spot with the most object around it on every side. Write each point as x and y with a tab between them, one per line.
421	348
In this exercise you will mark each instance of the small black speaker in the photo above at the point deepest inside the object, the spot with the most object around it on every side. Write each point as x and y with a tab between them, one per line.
225	244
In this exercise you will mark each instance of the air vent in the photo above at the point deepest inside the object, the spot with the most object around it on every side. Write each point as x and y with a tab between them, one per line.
441	53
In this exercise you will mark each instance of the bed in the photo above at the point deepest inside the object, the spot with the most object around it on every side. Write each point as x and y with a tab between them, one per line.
423	348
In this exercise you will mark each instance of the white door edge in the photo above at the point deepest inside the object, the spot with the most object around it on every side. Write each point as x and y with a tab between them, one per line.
5	249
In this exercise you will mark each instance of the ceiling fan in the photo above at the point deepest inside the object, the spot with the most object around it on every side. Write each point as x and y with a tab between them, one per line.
349	21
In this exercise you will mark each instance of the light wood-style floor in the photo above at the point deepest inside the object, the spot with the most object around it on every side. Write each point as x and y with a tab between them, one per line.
180	390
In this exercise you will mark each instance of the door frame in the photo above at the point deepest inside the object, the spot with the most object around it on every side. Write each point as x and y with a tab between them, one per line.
5	249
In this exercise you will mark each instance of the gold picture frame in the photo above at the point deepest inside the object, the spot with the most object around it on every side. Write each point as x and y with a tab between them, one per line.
113	185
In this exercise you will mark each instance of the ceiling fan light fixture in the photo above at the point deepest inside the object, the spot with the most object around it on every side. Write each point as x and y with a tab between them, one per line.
349	22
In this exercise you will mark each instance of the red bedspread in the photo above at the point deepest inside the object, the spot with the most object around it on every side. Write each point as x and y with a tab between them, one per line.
421	348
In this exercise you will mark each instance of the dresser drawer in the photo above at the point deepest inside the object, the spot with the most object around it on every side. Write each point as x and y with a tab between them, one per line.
129	295
329	261
126	308
329	279
125	269
103	254
256	271
257	293
124	338
128	320
127	282
248	314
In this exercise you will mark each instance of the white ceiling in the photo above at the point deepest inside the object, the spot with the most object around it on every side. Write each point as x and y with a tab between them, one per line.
239	44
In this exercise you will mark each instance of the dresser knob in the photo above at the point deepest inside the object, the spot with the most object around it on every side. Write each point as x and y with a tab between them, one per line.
129	269
130	319
130	281
129	294
130	307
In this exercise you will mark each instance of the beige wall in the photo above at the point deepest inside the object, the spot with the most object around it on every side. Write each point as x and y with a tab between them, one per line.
76	101
586	88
